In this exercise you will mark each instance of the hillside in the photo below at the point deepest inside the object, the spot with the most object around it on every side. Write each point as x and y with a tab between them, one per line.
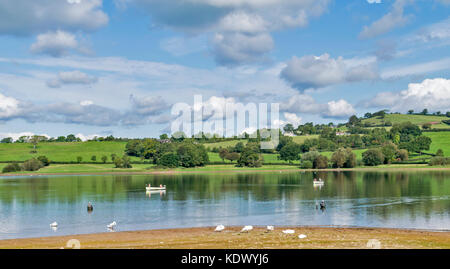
436	121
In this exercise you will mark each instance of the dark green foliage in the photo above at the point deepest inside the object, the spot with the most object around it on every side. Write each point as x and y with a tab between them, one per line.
192	155
123	162
223	153
321	162
373	157
232	156
440	153
250	156
12	167
343	158
439	160
239	147
307	164
44	160
169	159
94	158
104	158
79	159
6	140
290	152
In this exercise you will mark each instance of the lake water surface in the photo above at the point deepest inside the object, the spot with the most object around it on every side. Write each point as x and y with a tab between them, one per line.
28	204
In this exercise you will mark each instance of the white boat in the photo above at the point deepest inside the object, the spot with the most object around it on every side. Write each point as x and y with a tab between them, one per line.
318	182
163	188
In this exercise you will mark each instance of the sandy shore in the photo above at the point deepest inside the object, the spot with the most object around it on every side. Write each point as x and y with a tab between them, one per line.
232	238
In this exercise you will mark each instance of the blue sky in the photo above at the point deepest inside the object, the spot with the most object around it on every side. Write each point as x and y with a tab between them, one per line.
93	67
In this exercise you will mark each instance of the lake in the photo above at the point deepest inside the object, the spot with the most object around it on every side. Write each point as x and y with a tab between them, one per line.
416	199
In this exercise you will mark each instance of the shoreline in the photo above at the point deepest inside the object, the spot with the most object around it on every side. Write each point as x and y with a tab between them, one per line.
233	170
232	238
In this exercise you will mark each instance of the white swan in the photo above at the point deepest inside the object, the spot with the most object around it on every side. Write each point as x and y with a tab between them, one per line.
270	228
288	231
219	228
247	228
54	224
112	225
301	236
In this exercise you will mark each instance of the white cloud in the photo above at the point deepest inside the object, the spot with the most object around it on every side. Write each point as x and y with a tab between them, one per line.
87	137
24	17
56	44
339	109
416	69
433	94
9	106
292	118
321	71
240	29
394	18
374	1
71	77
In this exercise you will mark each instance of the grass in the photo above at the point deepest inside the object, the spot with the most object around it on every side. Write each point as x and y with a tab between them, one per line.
62	151
224	144
415	119
440	140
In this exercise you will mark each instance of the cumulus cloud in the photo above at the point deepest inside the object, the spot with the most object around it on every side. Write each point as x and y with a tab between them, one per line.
292	118
57	44
71	77
433	94
394	18
240	29
321	71
24	17
303	103
9	107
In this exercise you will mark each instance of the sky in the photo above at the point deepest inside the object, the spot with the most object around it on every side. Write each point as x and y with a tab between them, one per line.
97	68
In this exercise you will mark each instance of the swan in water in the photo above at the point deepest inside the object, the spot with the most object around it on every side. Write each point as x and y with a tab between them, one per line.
301	236
54	224
112	225
270	228
247	228
219	228
288	231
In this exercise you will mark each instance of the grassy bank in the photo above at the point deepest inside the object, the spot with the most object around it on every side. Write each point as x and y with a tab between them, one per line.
231	238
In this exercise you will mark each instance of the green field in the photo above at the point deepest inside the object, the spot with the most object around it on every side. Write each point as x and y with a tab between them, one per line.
62	151
224	144
440	140
415	119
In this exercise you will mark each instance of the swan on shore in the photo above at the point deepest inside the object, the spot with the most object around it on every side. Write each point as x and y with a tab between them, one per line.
301	236
247	228
270	228
219	228
54	224
288	231
112	225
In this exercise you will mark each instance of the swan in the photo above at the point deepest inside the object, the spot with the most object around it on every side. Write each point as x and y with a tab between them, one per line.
301	236
54	224
288	231
219	228
270	228
247	228
112	225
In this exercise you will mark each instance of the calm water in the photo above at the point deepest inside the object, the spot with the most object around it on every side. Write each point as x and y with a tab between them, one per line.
377	199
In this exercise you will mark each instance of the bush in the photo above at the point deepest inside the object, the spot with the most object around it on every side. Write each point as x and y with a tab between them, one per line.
307	165
79	159
94	158
439	160
32	165
104	159
169	160
44	160
373	157
12	167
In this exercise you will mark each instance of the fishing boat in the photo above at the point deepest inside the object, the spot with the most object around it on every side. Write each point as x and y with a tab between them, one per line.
318	182
160	188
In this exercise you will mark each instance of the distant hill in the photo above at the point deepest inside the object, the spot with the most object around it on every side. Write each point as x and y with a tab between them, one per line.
436	121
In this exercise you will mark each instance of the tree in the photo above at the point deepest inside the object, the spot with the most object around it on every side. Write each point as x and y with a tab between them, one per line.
104	158
7	140
307	165
163	136
424	112
288	128
402	155
232	156
353	120
94	158
321	162
426	126
423	142
79	159
44	160
283	141
12	167
373	157
250	156
410	112
440	153
170	160
239	147
113	157
71	138
290	152
192	155
35	139
32	165
343	158
368	115
389	151
223	153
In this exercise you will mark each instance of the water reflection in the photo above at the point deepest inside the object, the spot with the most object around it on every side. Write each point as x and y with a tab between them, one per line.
381	199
